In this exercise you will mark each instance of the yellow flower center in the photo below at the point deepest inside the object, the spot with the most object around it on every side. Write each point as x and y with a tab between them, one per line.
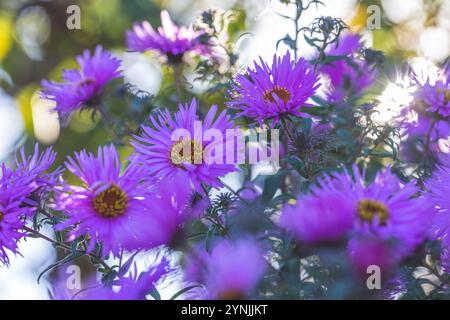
110	203
280	92
1	216
446	93
186	151
368	209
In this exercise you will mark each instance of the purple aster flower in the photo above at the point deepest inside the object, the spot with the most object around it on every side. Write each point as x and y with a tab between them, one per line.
231	271
367	251
82	87
13	191
119	210
346	79
385	219
426	126
272	92
323	215
424	129
390	220
190	158
37	168
439	188
168	40
133	287
432	105
435	97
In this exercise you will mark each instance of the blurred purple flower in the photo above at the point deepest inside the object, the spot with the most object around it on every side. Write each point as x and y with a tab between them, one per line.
231	271
435	97
117	209
365	252
36	167
13	191
439	190
164	158
168	40
385	219
390	220
323	215
272	92
83	86
432	105
347	79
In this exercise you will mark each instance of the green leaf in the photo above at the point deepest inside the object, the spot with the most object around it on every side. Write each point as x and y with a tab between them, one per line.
209	238
288	41
126	266
67	259
184	290
271	185
155	294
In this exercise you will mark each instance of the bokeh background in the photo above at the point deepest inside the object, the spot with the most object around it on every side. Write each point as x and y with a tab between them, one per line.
35	43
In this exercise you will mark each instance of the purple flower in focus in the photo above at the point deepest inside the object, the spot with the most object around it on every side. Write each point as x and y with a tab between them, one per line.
439	190
272	92
119	210
13	191
231	271
83	86
187	159
347	79
323	215
168	40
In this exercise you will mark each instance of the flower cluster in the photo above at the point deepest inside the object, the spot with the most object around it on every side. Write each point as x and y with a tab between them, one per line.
23	186
383	220
338	202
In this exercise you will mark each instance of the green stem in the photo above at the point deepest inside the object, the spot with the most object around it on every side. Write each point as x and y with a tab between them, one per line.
178	74
235	193
108	121
65	247
286	129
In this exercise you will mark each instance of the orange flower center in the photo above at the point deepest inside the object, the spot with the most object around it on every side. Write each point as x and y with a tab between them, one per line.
85	82
446	93
110	203
280	92
368	209
231	295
